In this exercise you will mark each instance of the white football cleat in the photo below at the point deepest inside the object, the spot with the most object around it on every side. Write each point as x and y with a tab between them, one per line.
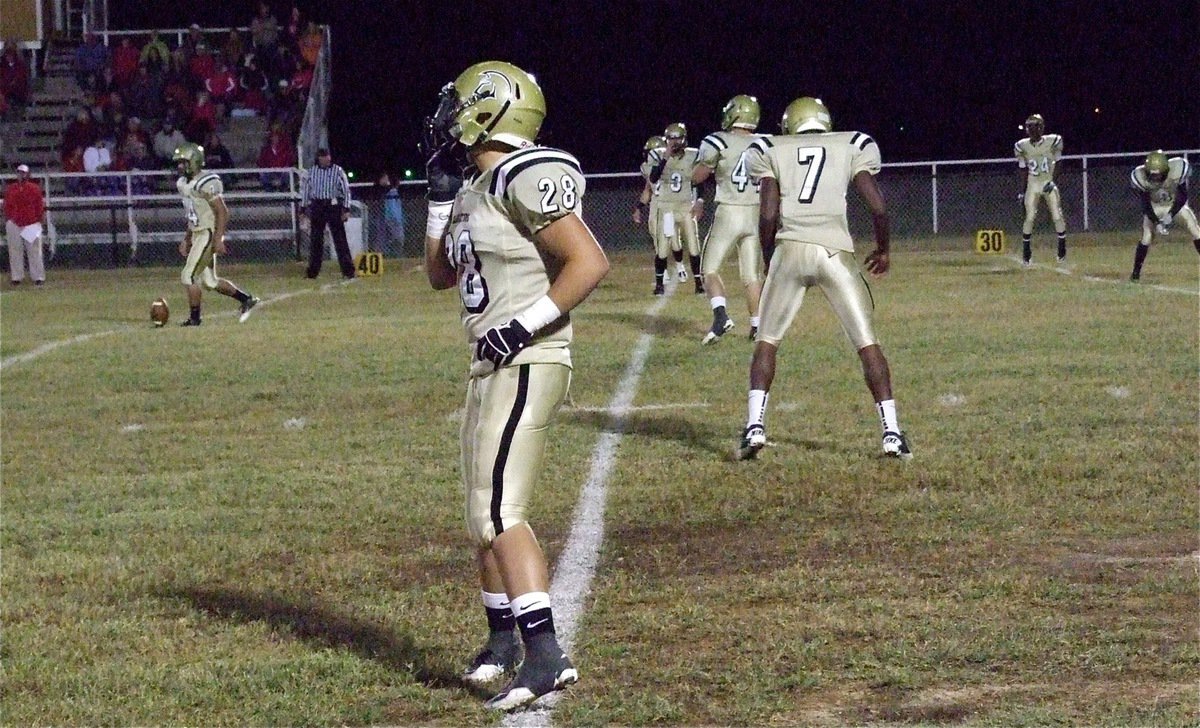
895	445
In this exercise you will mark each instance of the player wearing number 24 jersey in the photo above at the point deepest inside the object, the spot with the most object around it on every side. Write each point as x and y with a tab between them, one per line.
511	240
1037	156
806	242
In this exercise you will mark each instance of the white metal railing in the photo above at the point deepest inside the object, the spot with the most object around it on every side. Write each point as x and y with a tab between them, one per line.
107	36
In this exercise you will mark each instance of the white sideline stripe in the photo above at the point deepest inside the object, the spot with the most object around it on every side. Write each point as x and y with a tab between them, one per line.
577	563
47	348
1115	281
644	407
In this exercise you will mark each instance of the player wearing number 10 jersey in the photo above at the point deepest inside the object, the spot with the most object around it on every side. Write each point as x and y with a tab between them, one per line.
513	243
806	242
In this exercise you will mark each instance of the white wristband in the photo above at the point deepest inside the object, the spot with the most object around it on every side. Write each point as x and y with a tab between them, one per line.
542	313
438	219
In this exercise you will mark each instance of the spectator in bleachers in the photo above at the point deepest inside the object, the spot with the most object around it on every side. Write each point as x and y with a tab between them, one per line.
234	49
135	155
145	94
310	44
194	42
156	56
252	86
133	126
201	65
221	87
203	121
264	35
294	28
302	80
277	153
165	142
14	75
98	158
284	64
216	154
125	59
91	58
177	88
80	134
73	162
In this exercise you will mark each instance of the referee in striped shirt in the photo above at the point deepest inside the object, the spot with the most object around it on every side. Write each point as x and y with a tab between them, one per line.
327	202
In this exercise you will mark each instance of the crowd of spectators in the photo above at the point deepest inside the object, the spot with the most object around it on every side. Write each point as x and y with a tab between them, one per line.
188	93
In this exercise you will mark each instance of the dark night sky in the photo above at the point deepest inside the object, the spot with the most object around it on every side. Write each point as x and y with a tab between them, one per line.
930	80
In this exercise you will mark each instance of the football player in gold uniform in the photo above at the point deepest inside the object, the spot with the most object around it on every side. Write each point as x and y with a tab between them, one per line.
1162	185
511	240
646	211
678	204
1037	156
735	223
806	242
204	240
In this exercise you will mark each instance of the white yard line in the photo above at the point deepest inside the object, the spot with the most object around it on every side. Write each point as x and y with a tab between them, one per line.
51	346
577	563
1068	271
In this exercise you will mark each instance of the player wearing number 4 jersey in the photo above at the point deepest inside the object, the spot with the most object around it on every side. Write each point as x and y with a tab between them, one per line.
1162	186
1037	156
735	223
806	242
511	240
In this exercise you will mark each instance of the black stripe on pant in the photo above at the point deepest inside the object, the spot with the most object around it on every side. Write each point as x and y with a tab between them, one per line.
510	429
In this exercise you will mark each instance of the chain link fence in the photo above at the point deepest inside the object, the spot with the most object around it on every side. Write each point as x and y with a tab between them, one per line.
135	218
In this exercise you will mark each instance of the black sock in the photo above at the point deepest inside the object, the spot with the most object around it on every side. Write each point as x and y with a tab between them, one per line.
241	295
1026	248
500	620
678	255
719	313
1196	242
695	260
1062	245
195	313
535	622
1139	257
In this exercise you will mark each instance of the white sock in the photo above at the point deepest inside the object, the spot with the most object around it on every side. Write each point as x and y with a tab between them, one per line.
716	302
530	601
887	415
492	600
757	407
754	321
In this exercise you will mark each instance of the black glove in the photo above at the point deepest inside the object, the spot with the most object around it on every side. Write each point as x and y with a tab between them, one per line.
444	171
501	344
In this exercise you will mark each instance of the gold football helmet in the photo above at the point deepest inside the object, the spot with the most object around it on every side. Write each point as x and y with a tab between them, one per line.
188	158
496	101
1035	121
654	142
1157	167
675	131
806	114
740	112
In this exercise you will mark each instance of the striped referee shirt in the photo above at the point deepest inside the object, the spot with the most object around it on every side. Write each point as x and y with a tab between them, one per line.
327	183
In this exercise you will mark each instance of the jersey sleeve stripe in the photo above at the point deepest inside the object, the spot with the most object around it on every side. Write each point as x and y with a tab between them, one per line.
512	167
1186	173
865	141
1134	181
206	179
715	142
760	145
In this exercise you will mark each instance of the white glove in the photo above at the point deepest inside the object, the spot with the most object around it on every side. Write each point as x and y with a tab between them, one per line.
1165	218
1049	187
1020	197
1161	229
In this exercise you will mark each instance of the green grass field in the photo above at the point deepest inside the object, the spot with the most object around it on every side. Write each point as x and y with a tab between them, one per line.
260	523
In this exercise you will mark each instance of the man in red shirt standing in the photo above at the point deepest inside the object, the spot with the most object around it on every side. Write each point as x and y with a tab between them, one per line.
25	214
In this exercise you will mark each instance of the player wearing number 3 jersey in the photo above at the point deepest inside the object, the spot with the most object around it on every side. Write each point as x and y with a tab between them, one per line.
806	242
511	239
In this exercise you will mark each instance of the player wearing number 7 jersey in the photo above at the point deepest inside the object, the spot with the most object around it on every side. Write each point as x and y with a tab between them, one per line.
806	242
735	223
512	241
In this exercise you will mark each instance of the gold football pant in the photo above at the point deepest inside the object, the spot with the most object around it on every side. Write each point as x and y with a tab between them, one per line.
1033	193
1184	216
201	265
676	232
795	267
734	226
503	439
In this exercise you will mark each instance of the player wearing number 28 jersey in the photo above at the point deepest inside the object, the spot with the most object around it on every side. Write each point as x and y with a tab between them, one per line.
512	241
806	242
